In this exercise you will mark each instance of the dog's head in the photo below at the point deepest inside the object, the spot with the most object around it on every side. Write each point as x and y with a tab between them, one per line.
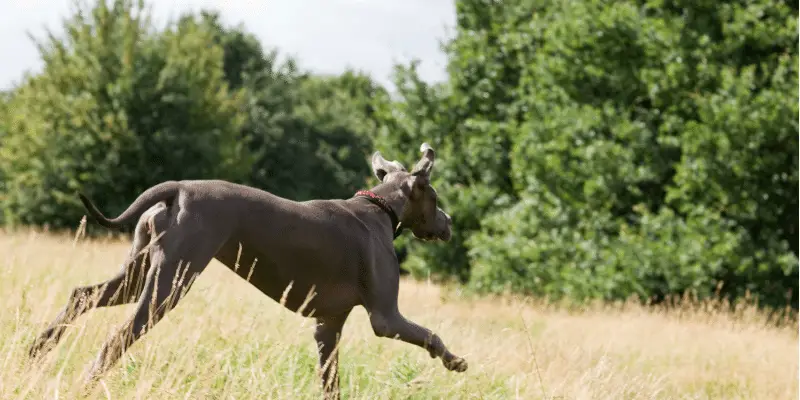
421	213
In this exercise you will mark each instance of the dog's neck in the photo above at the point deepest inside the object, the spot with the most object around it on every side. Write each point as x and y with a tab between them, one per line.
396	198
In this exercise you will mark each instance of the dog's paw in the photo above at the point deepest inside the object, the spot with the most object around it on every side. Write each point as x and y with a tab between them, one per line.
457	364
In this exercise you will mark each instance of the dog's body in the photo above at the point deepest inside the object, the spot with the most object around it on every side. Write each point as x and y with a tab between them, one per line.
320	258
316	244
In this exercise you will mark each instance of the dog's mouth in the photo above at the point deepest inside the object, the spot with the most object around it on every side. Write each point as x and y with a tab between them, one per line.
426	237
432	237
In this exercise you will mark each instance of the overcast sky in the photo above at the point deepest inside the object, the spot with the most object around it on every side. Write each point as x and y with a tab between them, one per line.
324	35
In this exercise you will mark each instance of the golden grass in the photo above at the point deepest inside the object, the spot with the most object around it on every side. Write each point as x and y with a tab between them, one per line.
227	341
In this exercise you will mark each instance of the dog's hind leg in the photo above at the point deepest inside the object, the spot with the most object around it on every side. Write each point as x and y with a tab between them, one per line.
181	255
124	288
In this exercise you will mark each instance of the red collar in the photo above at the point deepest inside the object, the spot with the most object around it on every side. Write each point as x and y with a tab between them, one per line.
384	205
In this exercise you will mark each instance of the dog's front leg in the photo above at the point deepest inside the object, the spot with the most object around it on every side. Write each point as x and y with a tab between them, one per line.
327	335
386	320
394	325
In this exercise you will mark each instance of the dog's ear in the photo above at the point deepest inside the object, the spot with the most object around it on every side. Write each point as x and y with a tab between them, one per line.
425	164
381	167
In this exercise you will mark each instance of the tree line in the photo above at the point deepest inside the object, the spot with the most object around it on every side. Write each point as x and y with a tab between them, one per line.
585	150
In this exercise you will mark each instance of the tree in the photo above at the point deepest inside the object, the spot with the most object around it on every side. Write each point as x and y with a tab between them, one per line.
121	105
310	135
117	108
606	149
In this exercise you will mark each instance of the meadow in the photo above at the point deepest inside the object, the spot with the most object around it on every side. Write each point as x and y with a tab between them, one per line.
227	341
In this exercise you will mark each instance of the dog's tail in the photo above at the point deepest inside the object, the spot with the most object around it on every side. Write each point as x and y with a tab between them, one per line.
150	197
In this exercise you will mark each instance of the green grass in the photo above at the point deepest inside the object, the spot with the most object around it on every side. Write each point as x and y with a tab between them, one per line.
228	341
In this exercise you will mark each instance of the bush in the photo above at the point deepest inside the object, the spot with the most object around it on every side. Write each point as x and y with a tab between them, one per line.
606	149
121	106
117	108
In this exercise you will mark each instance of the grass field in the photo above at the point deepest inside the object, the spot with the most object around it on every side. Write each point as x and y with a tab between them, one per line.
227	341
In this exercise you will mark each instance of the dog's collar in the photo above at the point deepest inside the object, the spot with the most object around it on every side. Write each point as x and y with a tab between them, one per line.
384	205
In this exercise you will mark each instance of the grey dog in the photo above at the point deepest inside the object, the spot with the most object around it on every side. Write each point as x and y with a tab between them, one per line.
321	257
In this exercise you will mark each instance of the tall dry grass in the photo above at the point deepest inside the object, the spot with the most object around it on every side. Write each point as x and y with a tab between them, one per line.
227	341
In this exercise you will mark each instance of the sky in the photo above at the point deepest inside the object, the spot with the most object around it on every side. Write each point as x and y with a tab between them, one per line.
325	36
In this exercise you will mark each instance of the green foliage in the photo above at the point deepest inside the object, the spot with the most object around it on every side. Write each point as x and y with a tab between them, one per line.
122	105
595	149
4	113
316	144
117	108
297	125
606	149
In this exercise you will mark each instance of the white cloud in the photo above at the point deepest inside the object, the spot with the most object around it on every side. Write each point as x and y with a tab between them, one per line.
325	35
